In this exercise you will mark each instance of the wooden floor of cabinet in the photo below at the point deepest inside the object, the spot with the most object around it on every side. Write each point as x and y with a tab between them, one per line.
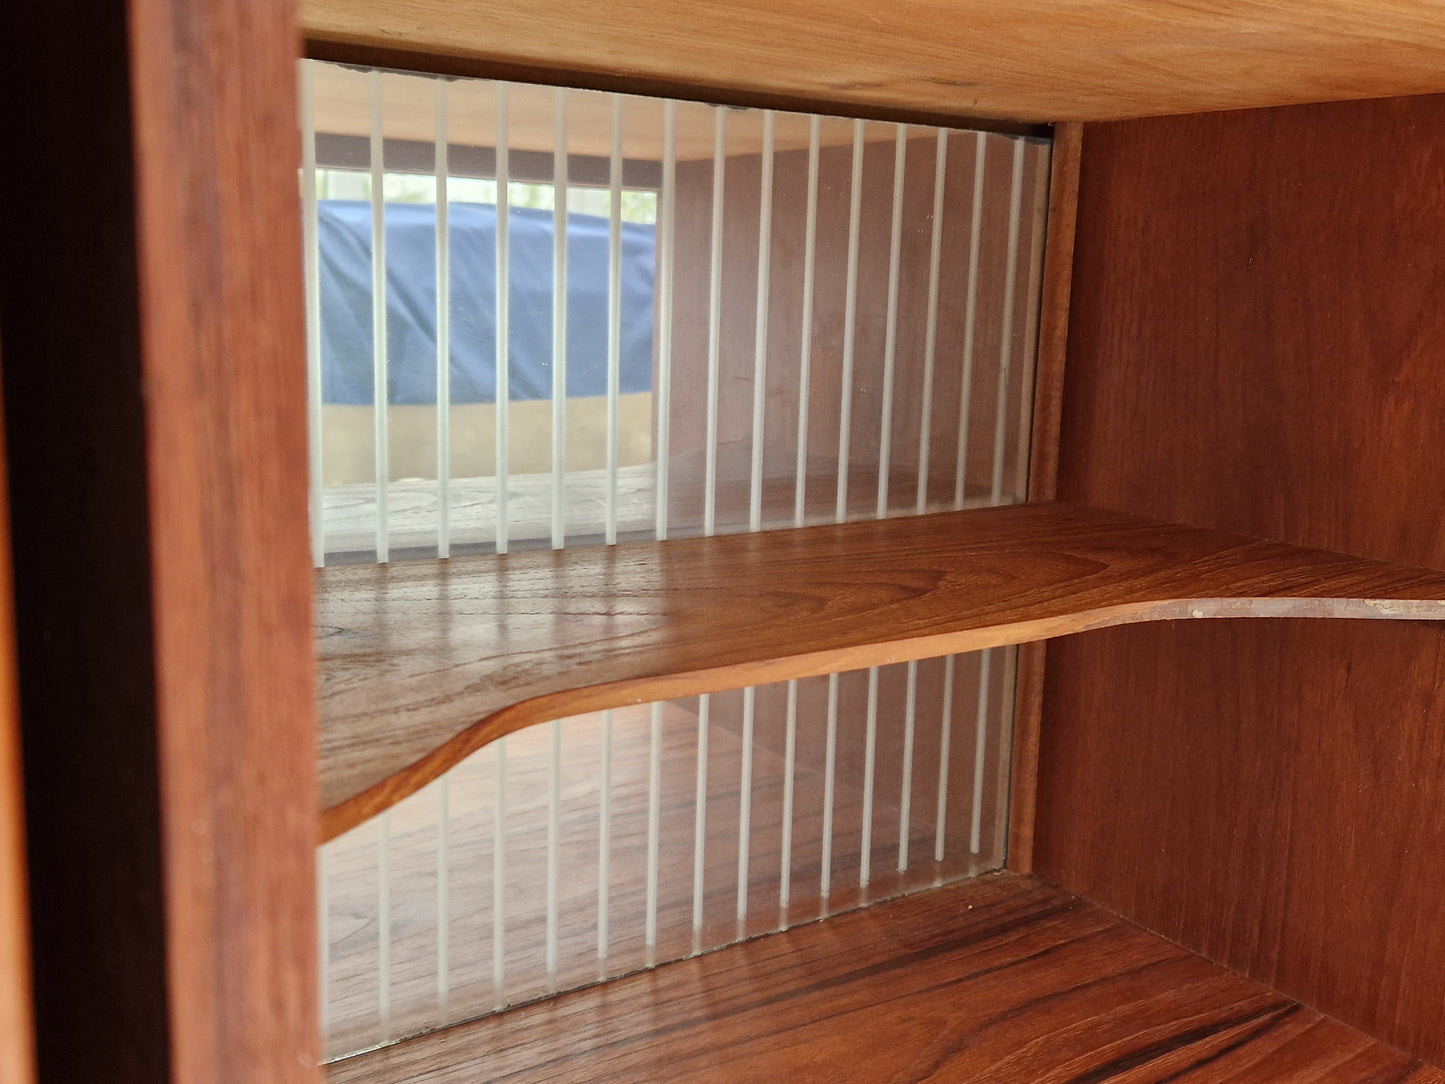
1003	978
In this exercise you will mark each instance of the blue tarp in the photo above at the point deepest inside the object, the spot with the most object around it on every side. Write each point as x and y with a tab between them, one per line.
344	232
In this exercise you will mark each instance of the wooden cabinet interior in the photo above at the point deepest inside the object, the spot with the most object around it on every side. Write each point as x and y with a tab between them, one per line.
1254	347
1076	806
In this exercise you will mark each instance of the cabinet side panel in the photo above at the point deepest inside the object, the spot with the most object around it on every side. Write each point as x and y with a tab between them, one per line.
213	92
1256	345
150	301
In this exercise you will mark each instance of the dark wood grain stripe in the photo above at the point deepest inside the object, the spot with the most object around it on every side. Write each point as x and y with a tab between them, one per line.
1270	1021
1271	1015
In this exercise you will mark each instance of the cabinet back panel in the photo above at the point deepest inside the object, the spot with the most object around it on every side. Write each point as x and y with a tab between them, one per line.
1256	345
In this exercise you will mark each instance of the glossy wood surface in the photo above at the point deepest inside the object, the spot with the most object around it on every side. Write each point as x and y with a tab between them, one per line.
1044	60
222	376
423	663
1002	979
1256	346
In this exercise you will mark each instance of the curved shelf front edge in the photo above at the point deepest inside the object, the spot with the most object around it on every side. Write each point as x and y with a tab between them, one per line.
424	663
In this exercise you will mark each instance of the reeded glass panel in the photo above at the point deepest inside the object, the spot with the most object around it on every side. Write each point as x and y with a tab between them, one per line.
543	317
648	875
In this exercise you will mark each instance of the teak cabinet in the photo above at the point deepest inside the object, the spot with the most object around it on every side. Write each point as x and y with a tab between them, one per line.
1252	335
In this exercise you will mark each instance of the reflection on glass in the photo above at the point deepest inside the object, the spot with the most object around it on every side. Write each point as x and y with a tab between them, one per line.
760	334
630	853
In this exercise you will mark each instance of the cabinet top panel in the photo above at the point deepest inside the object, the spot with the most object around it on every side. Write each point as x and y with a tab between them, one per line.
1033	61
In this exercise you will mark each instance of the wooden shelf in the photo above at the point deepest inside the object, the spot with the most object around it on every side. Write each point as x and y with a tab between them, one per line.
424	663
1002	978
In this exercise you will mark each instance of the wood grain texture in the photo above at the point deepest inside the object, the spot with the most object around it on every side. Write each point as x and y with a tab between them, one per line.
221	351
1255	345
1044	60
17	1023
1043	467
1000	979
423	663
